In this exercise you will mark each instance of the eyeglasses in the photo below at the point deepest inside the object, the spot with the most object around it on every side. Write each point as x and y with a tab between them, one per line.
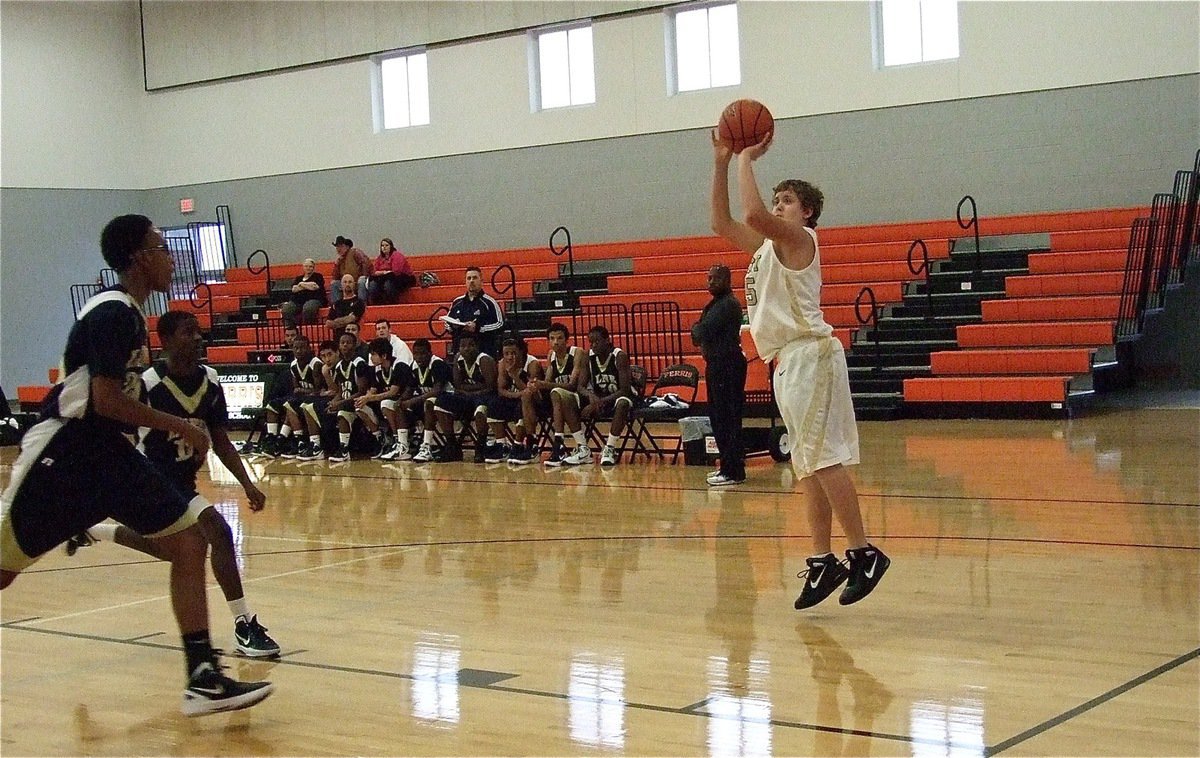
157	249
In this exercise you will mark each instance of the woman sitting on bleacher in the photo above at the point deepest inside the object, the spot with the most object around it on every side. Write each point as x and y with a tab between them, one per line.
308	296
391	275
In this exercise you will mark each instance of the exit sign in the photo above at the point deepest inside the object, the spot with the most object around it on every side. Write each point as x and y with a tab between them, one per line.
187	205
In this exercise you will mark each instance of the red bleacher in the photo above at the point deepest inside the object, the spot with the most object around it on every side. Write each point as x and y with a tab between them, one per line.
1028	346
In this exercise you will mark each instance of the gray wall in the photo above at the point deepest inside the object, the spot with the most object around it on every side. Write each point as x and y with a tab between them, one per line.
1098	146
51	240
1088	147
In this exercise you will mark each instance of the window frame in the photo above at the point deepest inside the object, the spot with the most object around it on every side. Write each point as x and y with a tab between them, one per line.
878	45
378	106
671	37
535	64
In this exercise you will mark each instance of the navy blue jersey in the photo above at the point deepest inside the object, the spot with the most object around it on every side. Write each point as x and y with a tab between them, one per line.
108	339
437	372
472	374
346	373
197	398
399	375
604	379
560	372
307	377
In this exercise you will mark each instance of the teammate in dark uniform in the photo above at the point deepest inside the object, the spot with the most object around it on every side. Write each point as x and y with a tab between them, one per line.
474	388
431	376
352	377
305	381
76	468
605	390
182	387
564	374
515	374
313	407
391	381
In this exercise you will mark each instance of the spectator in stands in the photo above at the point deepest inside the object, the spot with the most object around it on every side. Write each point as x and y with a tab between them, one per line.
308	296
812	390
719	335
350	260
348	310
476	313
400	351
391	275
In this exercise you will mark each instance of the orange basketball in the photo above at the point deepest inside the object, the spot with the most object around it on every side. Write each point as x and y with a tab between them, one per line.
744	123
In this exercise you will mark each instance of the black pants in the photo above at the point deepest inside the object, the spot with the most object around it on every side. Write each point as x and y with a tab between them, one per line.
726	378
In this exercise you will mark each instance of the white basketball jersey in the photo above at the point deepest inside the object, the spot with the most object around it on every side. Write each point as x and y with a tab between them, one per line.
784	305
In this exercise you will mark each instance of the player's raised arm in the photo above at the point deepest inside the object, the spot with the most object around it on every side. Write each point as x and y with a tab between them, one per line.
722	220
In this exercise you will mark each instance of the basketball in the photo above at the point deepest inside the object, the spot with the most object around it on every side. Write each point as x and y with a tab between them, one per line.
744	123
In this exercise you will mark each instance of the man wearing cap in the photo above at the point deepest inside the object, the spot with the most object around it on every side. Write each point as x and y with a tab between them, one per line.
350	260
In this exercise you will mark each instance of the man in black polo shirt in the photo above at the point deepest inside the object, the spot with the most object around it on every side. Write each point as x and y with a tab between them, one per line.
718	333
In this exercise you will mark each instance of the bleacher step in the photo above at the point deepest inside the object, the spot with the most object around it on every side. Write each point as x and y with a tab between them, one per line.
1038	241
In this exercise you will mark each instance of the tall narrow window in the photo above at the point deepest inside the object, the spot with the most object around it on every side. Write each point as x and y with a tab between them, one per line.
563	67
915	31
705	47
403	91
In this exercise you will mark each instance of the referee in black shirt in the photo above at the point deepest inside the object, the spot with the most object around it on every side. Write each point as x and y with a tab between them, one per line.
718	333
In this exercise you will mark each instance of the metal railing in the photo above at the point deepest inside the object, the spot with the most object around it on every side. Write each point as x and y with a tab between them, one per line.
265	267
871	318
922	268
656	336
972	223
510	286
271	334
567	250
1135	289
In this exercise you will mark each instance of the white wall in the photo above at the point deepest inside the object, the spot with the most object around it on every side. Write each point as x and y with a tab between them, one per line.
801	58
71	95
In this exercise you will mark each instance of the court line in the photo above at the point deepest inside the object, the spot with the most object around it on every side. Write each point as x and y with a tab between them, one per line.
610	538
209	587
633	705
1089	705
741	489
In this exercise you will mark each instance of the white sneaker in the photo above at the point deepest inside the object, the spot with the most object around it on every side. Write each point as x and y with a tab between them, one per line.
391	453
582	455
402	453
608	456
720	480
424	454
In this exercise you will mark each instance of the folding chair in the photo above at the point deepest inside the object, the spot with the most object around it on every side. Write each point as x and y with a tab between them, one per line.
682	376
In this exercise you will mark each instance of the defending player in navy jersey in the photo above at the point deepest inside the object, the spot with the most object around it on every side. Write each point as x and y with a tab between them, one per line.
181	386
76	468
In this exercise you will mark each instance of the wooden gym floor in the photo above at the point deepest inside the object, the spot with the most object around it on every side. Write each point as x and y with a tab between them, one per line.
1043	600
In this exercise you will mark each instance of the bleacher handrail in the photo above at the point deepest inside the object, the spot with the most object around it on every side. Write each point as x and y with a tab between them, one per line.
265	267
974	222
509	286
225	219
435	319
923	268
208	299
871	318
1137	279
570	253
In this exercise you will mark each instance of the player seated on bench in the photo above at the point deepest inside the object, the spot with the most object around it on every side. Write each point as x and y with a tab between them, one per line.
312	410
474	387
353	377
604	392
431	377
516	370
391	381
304	374
565	366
